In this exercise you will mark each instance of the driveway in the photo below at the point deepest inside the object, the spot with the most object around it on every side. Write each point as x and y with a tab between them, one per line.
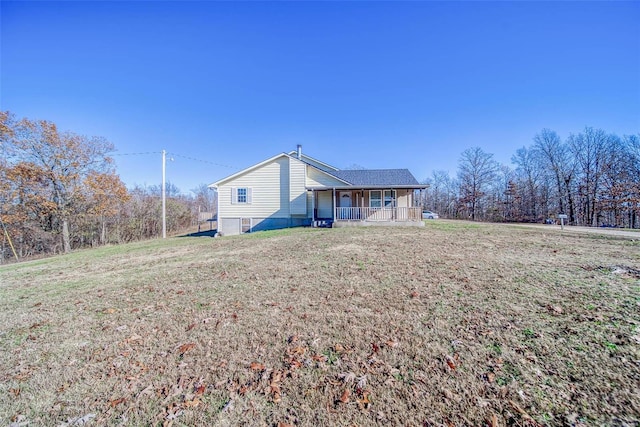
593	230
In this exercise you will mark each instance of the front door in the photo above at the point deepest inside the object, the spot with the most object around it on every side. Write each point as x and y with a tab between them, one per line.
344	211
345	199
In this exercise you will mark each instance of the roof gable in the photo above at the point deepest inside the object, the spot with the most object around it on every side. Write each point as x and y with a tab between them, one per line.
246	170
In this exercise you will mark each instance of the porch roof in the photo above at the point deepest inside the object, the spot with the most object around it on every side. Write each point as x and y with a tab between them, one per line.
370	187
378	177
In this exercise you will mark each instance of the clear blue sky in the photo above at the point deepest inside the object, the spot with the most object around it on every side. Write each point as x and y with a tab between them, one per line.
378	84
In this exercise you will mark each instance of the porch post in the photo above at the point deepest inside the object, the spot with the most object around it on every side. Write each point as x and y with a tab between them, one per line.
313	208
335	207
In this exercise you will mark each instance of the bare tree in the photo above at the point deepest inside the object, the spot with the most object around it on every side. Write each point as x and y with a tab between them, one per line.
559	164
590	149
529	175
476	172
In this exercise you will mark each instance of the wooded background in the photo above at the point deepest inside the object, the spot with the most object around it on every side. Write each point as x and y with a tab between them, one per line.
60	191
592	176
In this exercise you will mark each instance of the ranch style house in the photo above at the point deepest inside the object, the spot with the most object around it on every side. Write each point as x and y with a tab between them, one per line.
293	189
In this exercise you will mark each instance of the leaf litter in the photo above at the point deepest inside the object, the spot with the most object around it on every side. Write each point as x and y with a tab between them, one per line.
434	326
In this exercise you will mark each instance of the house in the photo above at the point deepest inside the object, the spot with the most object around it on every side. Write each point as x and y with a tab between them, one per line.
293	189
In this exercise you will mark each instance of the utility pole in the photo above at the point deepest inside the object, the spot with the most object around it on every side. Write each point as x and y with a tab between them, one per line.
164	190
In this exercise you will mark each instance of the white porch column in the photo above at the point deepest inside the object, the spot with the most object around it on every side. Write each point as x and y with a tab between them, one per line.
335	207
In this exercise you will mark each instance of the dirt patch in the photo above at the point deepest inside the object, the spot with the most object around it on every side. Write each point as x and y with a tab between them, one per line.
441	325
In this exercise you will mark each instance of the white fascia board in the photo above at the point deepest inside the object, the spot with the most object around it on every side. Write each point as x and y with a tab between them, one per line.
294	153
370	187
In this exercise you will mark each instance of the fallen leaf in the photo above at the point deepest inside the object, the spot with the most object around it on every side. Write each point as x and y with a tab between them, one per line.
109	311
255	366
274	386
277	398
191	326
200	390
493	421
284	425
133	338
116	402
15	391
364	402
491	377
555	309
375	347
298	350
186	347
415	294
524	414
345	396
391	343
450	362
192	403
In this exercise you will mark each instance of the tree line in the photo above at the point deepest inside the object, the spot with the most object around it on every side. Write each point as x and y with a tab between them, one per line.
593	177
60	191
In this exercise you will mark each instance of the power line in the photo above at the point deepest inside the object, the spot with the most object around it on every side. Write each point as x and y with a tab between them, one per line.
136	154
175	155
202	161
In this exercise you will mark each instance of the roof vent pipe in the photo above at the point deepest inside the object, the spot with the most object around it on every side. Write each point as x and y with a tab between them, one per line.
299	150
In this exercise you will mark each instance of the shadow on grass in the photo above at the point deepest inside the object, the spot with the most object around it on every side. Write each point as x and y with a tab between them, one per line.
208	233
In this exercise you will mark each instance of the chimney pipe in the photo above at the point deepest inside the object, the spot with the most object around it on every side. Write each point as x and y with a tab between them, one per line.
299	151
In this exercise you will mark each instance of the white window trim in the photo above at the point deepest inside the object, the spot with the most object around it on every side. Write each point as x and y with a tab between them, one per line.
393	199
234	196
371	198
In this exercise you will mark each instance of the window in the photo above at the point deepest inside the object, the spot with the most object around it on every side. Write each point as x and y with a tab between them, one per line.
245	225
375	199
389	198
241	195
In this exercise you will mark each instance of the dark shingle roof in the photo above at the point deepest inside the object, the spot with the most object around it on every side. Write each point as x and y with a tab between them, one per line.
375	177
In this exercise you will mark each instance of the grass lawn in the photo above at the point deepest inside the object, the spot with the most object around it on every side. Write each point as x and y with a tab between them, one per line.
450	324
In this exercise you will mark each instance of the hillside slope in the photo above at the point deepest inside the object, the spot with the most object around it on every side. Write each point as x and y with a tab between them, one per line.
452	323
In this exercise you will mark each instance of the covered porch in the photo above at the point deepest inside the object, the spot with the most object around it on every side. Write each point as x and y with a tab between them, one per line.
343	207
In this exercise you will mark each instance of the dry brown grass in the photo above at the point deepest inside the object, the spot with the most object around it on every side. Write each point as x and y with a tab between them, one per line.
453	324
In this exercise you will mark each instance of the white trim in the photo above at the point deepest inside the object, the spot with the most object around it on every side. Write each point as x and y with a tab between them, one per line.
381	198
249	169
294	154
248	195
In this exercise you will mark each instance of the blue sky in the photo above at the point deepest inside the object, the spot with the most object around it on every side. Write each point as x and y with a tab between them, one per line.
378	84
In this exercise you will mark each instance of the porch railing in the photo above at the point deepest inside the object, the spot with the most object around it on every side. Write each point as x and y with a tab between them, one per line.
378	214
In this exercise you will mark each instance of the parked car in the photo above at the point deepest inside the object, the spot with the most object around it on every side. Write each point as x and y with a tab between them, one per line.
429	215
